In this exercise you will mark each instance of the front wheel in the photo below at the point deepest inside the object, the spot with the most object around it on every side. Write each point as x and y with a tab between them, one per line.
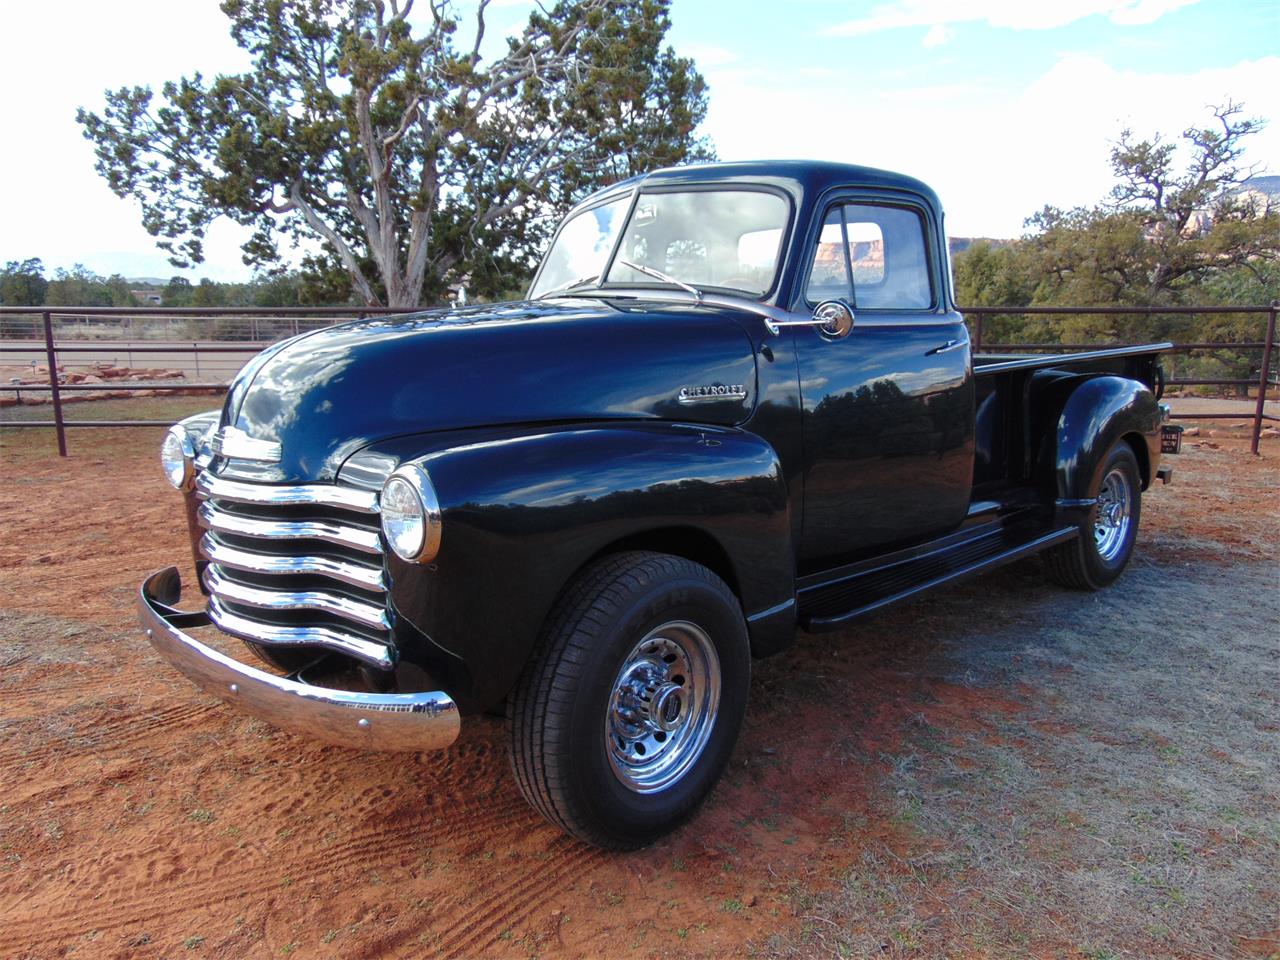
628	710
1099	555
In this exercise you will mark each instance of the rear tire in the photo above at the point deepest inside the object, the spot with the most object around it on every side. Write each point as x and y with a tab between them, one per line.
631	703
1099	555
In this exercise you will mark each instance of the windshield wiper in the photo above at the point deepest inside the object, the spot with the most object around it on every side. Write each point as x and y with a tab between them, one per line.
571	285
659	275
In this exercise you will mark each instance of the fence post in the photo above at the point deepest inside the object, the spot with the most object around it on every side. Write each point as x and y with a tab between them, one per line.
1264	376
977	332
52	359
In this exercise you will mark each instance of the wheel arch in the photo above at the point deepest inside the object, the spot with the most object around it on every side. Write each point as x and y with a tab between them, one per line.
1094	415
683	540
524	513
1142	454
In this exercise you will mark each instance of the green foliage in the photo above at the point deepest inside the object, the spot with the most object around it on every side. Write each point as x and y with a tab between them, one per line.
81	287
1165	236
414	161
22	283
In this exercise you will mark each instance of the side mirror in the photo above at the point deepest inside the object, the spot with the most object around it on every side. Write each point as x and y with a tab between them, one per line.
834	318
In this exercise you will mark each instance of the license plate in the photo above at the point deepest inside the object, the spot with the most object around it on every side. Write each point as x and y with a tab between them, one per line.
1171	438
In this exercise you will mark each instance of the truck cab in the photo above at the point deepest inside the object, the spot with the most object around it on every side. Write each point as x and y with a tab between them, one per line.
737	400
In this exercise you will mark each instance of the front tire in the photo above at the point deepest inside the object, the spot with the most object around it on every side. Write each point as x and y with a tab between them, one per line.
1099	555
627	711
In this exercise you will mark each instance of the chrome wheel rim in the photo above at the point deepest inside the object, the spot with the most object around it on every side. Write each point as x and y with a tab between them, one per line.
1113	515
662	707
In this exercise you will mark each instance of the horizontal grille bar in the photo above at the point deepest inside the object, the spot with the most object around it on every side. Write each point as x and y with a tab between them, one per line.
357	575
354	610
358	538
275	635
344	498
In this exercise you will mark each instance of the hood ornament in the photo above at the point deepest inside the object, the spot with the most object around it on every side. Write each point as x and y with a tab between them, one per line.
234	443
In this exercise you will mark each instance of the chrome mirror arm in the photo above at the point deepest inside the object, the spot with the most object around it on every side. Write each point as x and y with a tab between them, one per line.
833	318
775	326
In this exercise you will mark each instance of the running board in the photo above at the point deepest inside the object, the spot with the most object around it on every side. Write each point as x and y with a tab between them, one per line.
838	602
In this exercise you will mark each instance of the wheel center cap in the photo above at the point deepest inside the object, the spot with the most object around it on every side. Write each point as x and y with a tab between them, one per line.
667	711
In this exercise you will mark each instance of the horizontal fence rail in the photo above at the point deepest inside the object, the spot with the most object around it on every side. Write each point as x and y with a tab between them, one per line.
977	319
225	337
214	343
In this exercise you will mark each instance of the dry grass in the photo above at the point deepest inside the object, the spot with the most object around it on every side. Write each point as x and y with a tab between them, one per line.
1002	769
1126	808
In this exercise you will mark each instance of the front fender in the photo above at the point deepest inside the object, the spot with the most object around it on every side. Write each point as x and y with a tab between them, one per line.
1097	413
523	513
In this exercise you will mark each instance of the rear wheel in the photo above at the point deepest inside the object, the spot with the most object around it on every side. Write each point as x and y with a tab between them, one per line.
1099	555
626	714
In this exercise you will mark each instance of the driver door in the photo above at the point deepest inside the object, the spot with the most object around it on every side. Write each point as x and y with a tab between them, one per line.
888	409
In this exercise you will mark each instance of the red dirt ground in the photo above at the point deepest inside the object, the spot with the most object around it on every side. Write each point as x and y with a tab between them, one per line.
139	818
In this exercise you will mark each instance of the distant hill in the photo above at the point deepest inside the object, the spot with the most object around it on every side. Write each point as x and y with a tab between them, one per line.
1268	185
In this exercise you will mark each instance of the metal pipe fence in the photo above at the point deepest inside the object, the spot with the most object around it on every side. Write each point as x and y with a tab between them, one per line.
1263	381
226	338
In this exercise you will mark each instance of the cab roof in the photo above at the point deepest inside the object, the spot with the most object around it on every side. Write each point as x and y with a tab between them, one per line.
801	178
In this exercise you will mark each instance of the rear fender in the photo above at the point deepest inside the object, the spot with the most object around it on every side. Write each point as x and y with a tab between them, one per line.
523	513
1097	413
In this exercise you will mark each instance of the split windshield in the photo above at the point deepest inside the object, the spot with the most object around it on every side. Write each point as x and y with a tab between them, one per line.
711	239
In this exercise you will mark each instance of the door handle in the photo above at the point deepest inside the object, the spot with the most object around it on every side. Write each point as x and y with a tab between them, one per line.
949	345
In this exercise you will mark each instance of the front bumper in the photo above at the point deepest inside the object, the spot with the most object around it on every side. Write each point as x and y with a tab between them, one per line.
365	721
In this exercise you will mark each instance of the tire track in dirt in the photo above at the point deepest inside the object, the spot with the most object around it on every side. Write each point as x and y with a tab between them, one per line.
515	901
235	874
117	733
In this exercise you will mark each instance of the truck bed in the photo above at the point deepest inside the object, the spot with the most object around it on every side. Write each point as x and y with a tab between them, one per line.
1010	421
988	363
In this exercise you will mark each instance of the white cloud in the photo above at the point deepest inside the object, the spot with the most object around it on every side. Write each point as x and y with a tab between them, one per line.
1011	14
938	35
994	155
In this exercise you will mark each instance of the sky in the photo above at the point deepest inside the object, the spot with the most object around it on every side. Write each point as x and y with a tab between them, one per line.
1002	106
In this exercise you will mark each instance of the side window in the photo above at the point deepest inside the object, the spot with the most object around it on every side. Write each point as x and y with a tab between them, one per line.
887	262
829	275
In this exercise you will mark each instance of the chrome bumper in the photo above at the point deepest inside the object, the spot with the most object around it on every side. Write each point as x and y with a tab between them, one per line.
365	721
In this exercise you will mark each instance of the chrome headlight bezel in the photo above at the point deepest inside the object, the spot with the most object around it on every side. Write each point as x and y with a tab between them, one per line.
177	457
417	540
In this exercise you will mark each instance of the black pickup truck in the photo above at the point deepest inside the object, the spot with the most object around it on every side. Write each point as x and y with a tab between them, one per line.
738	400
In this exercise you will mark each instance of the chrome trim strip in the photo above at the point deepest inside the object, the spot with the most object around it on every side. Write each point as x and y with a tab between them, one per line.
370	578
233	442
345	498
219	521
274	635
267	599
364	721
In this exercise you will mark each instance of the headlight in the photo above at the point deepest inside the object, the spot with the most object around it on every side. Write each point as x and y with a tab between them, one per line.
411	515
176	454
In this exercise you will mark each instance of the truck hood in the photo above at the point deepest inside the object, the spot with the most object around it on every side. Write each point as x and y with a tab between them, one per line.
328	393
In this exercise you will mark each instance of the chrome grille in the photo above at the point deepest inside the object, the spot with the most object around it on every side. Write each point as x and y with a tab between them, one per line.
296	566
